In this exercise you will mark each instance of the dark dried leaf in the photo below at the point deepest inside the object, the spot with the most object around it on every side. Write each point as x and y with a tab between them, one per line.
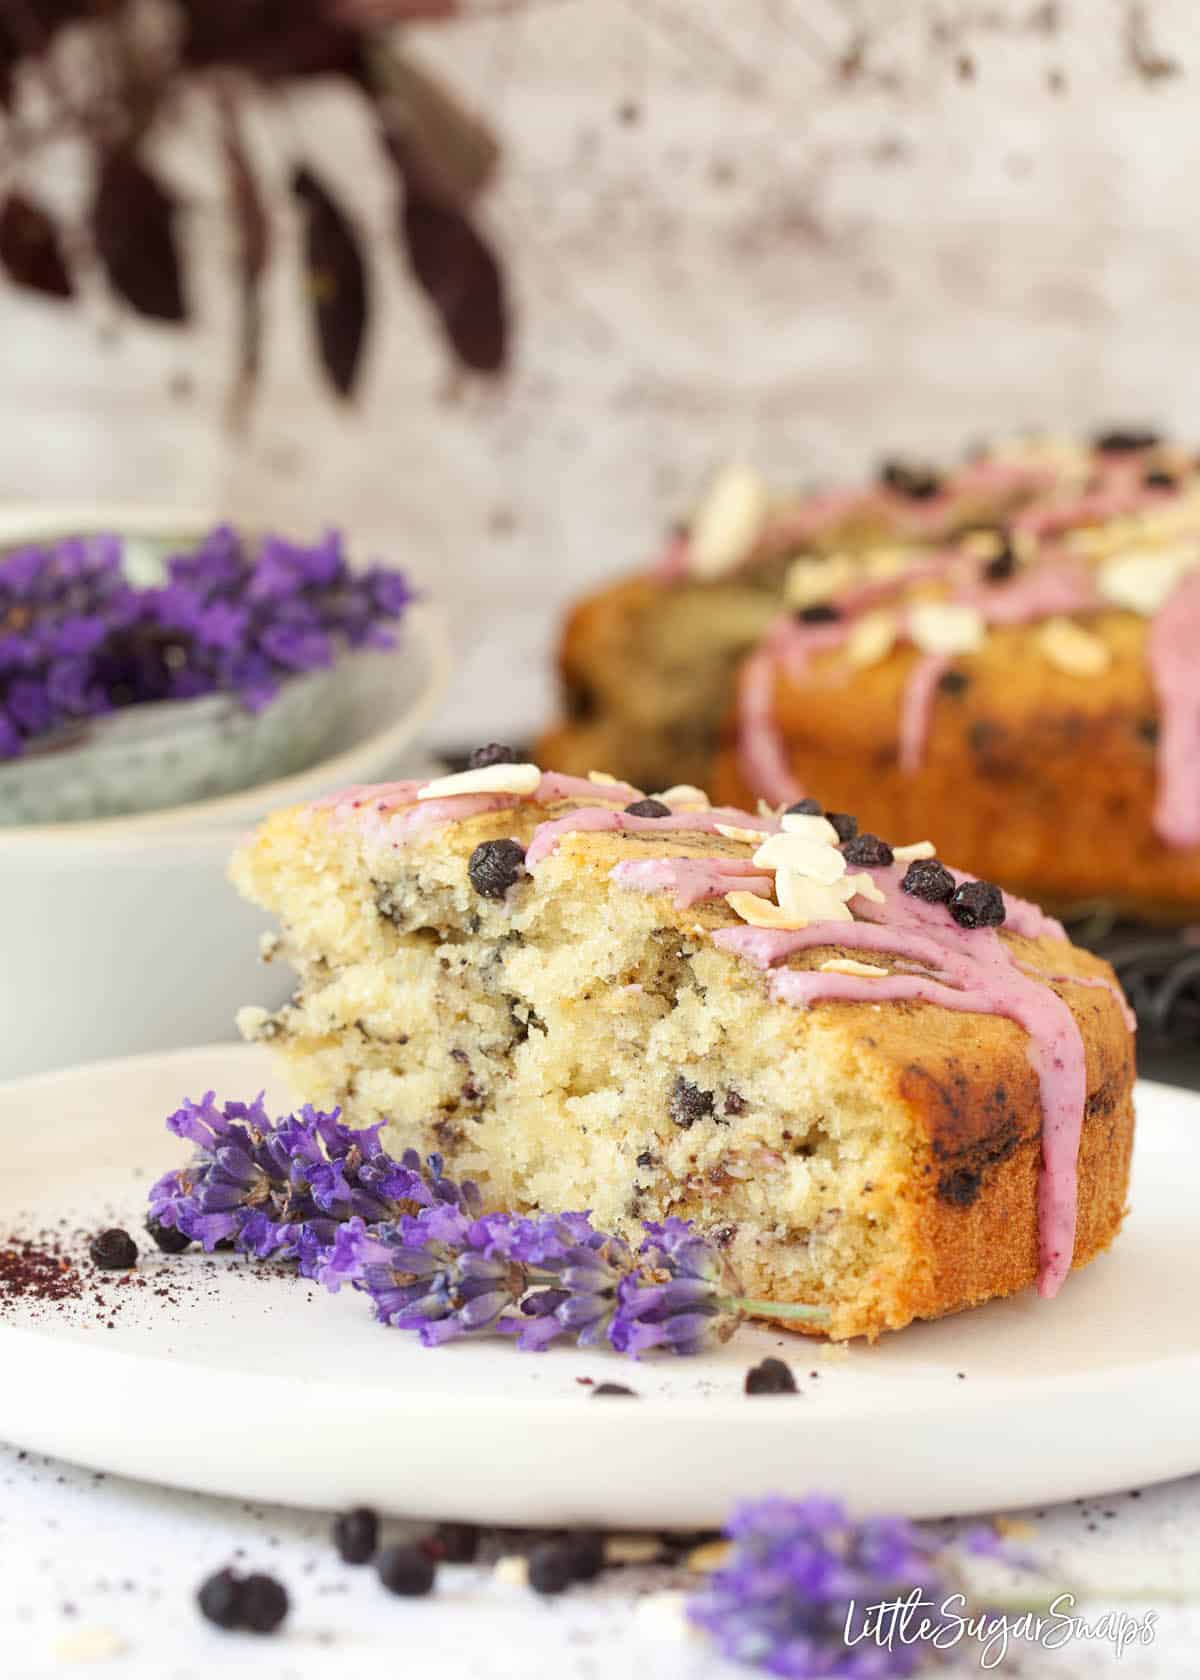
429	133
460	276
253	231
133	225
31	251
336	277
274	39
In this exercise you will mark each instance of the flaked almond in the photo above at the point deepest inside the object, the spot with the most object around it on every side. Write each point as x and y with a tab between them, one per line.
684	794
493	778
602	778
918	849
863	886
708	1557
805	900
1071	648
946	627
850	965
728	521
632	1548
817	828
1140	581
872	638
512	1570
752	836
811	582
760	912
800	855
983	545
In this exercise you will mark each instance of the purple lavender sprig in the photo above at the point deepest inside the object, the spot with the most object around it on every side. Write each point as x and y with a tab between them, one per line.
78	640
282	1189
447	1274
796	1594
310	1189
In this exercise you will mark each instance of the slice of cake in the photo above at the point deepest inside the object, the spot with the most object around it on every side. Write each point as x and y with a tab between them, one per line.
882	1088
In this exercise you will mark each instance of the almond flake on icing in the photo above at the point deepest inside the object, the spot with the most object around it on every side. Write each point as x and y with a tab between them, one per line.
918	849
983	545
1141	580
493	778
864	887
752	836
801	855
806	900
602	778
726	525
684	794
1071	648
946	627
872	638
849	965
760	912
816	828
811	582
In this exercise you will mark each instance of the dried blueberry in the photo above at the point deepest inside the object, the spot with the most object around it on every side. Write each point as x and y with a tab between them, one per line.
494	753
1001	566
735	1103
845	827
928	879
495	866
1157	479
977	904
356	1535
406	1571
454	1542
1147	729
867	851
550	1568
770	1376
1125	440
821	612
219	1599
613	1391
917	483
647	1159
689	1103
648	808
586	1548
167	1237
262	1603
113	1251
954	682
804	808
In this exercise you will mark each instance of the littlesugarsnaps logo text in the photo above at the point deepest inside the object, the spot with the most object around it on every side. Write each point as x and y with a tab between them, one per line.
893	1623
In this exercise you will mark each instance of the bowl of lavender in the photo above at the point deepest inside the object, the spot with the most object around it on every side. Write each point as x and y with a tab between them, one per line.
152	668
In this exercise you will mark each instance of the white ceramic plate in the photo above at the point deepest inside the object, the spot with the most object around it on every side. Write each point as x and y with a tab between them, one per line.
264	1387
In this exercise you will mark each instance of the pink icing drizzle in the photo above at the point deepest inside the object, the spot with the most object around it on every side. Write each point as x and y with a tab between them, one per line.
593	819
916	707
691	878
1175	670
972	971
1063	587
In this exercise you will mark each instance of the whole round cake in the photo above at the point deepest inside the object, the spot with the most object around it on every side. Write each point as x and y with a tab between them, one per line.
885	1089
1002	657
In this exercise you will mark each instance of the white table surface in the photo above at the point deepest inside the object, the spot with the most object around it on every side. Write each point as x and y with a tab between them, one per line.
96	1564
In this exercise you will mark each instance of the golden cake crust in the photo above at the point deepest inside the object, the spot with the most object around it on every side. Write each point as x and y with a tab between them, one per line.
1031	776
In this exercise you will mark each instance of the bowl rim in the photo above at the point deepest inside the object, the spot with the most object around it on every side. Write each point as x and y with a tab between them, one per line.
424	622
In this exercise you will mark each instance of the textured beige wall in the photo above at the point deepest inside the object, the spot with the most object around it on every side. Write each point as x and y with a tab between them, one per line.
718	242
